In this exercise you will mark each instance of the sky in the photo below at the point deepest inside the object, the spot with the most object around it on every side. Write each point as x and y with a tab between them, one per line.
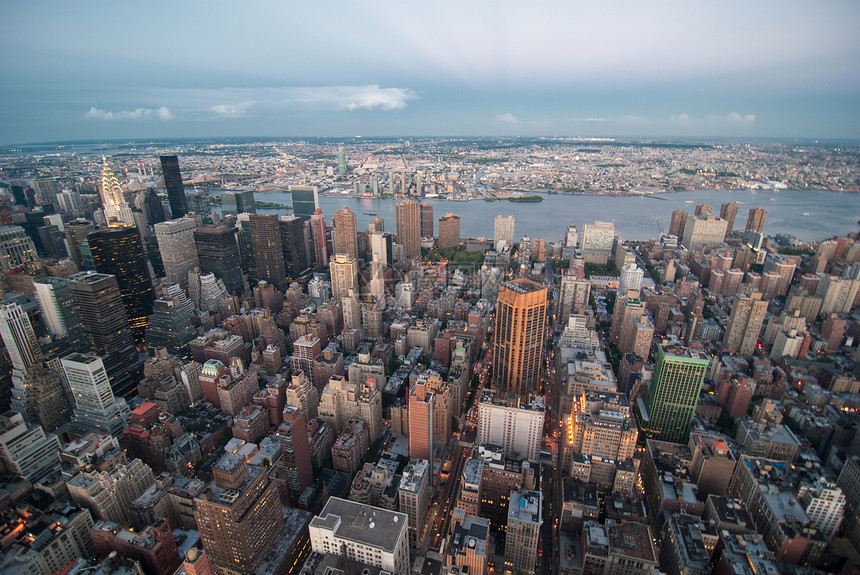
100	70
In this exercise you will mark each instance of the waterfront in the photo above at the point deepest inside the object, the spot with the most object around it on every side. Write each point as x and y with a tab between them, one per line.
829	213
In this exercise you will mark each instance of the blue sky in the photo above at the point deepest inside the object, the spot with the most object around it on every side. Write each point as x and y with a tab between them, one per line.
105	70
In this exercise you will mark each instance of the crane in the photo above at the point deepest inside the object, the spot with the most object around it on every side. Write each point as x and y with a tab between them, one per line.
659	227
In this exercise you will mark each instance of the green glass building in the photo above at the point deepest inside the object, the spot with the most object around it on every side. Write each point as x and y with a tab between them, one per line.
666	412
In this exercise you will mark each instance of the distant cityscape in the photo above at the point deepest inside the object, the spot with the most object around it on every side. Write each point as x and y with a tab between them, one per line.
196	381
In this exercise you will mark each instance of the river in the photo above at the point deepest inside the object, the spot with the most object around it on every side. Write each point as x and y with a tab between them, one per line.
810	215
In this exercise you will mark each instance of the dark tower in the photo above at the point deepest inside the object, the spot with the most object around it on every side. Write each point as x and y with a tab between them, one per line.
173	183
153	209
119	252
293	244
219	254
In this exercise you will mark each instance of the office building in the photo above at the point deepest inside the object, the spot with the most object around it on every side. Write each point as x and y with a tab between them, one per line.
520	326
103	317
705	229
522	536
666	412
350	447
153	209
345	233
305	201
268	249
677	223
16	247
513	423
755	221
119	252
503	231
117	211
170	327
596	242
241	202
468	546
426	220
218	253
238	515
96	407
293	244
319	238
178	249
421	405
108	494
745	323
76	233
409	228
153	546
295	463
173	184
59	312
341	162
729	212
25	449
362	533
342	400
849	482
449	231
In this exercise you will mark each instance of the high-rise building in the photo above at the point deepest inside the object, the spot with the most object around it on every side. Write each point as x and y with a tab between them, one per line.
729	212
295	461
218	253
117	211
596	242
119	252
96	407
293	244
449	231
381	248
426	220
170	327
344	276
16	247
409	228
25	449
153	209
666	412
362	533
503	231
238	515
679	220
522	536
108	494
305	201
177	247
77	232
421	407
345	233
413	497
745	323
268	250
511	423
520	325
103	317
704	229
59	312
19	337
755	221
173	184
318	237
241	202
341	162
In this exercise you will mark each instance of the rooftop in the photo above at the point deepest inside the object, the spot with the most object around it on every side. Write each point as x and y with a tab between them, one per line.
361	523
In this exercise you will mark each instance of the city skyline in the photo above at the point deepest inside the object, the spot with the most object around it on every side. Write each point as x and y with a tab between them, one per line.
733	70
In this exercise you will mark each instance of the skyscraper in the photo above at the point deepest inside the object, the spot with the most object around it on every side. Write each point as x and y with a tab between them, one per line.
520	324
755	221
421	406
409	228
268	250
96	407
153	209
449	231
238	516
59	311
170	327
341	161
218	253
345	233
178	250
426	220
173	183
16	247
241	202
596	241
295	460
745	324
503	231
293	244
344	276
117	211
119	252
522	535
318	236
77	232
103	317
666	412
729	212
305	201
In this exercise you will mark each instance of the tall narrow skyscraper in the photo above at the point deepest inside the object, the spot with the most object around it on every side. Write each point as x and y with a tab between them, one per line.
293	244
426	220
318	237
59	311
268	250
117	211
173	183
745	322
96	407
729	212
666	412
344	276
755	221
295	462
409	228
503	231
449	231
103	317
119	252
345	233
421	406
178	250
520	326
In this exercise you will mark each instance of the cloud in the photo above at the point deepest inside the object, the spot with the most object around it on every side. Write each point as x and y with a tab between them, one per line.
231	110
507	118
162	113
352	97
